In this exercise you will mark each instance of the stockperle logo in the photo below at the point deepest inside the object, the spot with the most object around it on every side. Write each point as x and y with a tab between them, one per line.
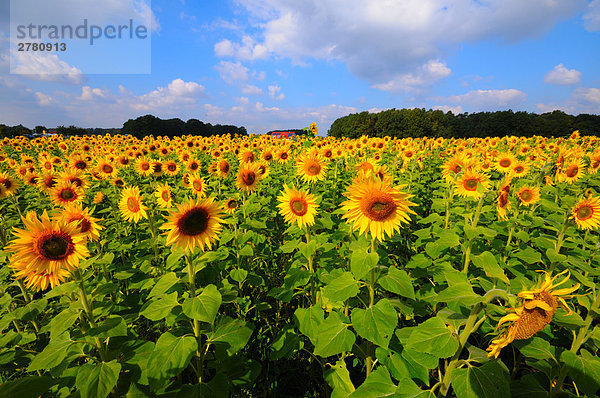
81	37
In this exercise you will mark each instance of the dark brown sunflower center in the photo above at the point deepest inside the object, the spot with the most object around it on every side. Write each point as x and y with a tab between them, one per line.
165	196
298	206
50	181
133	205
193	222
519	169
248	178
172	167
503	200
56	246
328	153
572	171
119	183
157	167
313	169
145	166
457	169
526	195
268	157
471	184
505	162
224	167
107	168
232	204
284	156
585	212
194	166
378	207
596	164
67	194
7	183
197	185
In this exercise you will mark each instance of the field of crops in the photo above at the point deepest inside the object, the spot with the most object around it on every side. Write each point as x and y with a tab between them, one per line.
258	267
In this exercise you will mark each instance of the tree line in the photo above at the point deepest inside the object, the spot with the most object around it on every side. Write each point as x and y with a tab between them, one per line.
149	124
419	122
139	127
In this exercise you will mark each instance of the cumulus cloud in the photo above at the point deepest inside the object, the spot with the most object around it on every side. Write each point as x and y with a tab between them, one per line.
446	108
45	67
247	50
178	92
582	100
591	19
275	92
490	99
250	89
232	71
425	75
387	42
562	76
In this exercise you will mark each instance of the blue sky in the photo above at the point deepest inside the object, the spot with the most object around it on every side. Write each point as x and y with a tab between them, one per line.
268	64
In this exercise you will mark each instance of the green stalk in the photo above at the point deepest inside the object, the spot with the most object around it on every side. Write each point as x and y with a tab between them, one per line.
448	200
580	339
199	358
27	300
370	287
470	243
89	311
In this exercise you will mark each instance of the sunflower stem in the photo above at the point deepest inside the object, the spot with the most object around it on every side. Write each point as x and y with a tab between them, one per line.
27	299
89	311
448	200
470	243
370	287
195	323
580	339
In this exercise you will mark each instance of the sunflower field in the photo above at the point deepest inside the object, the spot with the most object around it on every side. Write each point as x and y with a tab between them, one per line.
258	267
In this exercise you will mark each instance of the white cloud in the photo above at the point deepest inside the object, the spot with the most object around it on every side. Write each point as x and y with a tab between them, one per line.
490	99
90	94
43	99
232	71
250	89
385	41
425	75
45	67
275	92
247	50
177	93
592	16
582	100
562	76
446	108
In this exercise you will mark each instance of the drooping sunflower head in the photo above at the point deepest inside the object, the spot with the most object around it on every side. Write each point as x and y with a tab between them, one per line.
297	206
46	252
131	206
223	168
311	168
587	213
196	223
375	206
537	310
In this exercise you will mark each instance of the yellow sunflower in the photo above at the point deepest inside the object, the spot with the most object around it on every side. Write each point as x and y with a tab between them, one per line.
163	196
10	184
195	223
505	162
377	207
571	172
587	213
537	310
65	193
197	185
311	168
223	168
143	166
529	195
86	224
248	177
297	206
231	205
471	184
131	206
46	252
